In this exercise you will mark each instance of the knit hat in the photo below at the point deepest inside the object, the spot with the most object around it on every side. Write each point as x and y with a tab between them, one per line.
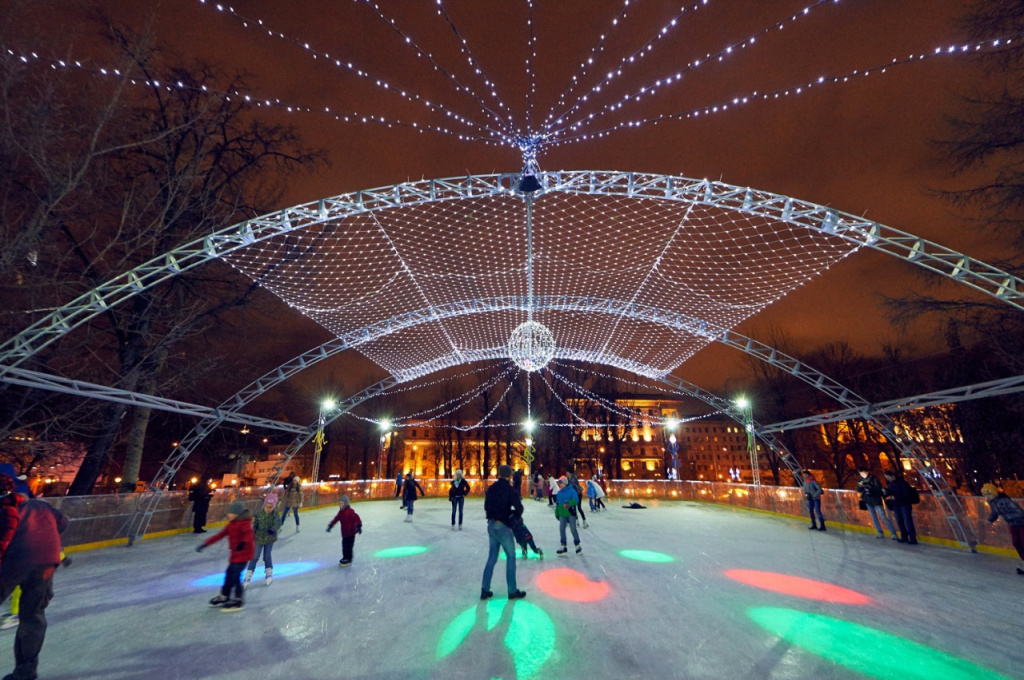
989	490
563	480
505	471
236	508
270	499
343	500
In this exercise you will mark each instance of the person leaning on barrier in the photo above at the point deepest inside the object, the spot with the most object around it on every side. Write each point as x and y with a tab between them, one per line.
899	498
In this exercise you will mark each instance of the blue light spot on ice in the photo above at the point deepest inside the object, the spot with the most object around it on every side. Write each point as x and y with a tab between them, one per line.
280	571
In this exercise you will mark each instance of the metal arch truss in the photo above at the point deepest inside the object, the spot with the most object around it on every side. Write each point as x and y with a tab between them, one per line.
971	272
37	380
993	388
957	266
670	319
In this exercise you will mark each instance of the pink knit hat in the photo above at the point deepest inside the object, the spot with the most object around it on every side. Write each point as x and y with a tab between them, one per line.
270	499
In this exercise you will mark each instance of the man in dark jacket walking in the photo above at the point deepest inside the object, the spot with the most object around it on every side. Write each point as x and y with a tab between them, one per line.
500	503
30	560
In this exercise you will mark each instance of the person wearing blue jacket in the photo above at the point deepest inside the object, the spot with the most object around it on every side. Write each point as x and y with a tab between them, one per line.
566	503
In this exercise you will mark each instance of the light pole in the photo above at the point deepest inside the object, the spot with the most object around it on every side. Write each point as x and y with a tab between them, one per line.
747	411
386	440
320	438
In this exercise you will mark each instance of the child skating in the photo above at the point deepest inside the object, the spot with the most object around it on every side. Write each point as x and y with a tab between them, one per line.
264	527
350	526
523	536
242	544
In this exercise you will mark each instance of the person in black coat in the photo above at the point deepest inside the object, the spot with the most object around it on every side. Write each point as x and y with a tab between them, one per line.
898	496
501	503
200	495
409	495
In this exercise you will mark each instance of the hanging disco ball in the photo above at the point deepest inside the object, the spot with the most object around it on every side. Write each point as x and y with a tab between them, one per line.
531	346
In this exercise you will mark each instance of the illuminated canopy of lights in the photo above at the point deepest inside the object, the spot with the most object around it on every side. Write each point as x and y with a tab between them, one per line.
700	260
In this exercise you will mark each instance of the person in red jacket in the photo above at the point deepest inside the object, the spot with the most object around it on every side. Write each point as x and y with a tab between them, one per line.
29	562
9	502
350	526
242	543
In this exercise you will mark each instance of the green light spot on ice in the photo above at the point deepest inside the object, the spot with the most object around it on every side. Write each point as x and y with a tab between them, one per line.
530	636
866	650
401	551
646	556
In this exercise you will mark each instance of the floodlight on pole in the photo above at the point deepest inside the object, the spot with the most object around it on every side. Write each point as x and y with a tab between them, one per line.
529	425
329	404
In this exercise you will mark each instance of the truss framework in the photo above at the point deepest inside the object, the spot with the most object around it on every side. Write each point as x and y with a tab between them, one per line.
993	388
860	232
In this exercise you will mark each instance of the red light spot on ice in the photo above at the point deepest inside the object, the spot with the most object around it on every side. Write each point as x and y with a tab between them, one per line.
798	587
569	584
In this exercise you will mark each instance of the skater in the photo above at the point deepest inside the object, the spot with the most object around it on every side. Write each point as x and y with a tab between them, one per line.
242	544
1003	506
552	490
409	490
567	502
457	496
899	497
350	526
292	499
264	528
200	495
574	482
29	560
523	536
517	482
871	500
812	492
398	485
501	502
595	493
540	485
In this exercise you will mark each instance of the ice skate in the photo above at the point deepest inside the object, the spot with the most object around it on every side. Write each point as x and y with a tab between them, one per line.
270	575
563	550
248	577
408	518
540	554
232	606
11	620
219	600
579	548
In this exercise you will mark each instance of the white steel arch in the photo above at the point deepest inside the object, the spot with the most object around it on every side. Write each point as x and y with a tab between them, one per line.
859	232
954	265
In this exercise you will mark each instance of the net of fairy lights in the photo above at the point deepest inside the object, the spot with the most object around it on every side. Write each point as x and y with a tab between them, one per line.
498	396
461	266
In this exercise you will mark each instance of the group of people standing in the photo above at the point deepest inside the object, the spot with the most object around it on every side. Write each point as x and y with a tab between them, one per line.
896	495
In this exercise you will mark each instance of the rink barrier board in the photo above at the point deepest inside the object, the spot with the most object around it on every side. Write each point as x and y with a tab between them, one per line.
100	520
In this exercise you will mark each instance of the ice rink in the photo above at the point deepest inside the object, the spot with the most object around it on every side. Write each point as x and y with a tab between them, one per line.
677	590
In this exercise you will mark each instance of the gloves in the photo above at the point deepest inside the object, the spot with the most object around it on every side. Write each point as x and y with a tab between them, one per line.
271	532
328	530
360	529
200	547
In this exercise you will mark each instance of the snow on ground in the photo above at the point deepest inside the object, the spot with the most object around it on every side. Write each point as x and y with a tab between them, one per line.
707	592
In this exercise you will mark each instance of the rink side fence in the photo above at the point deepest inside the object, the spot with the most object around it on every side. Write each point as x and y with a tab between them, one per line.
101	520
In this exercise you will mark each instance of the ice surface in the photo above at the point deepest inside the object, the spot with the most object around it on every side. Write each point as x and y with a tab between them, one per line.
916	611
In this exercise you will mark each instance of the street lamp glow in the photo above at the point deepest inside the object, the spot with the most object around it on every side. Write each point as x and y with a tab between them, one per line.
672	438
529	441
742	402
672	423
528	425
329	404
385	425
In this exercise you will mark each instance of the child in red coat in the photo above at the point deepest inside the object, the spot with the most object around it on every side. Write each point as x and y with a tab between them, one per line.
242	544
350	526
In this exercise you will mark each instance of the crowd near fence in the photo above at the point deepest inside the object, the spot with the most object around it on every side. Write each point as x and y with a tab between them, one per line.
104	519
